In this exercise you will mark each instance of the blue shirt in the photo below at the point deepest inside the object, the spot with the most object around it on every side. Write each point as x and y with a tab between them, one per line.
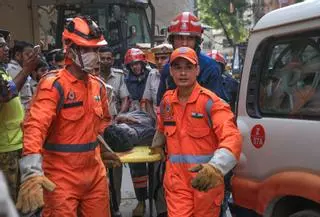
209	77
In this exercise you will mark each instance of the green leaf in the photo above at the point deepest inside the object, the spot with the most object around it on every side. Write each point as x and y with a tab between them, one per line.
213	11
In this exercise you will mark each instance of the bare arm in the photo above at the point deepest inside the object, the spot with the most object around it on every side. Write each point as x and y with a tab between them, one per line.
148	108
158	140
124	96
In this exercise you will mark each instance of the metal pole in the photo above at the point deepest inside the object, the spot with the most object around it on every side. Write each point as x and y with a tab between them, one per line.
153	21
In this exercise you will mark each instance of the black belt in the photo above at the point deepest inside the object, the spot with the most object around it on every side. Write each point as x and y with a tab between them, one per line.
71	148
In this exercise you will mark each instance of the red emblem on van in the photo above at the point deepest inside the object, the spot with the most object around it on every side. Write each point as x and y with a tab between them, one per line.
258	136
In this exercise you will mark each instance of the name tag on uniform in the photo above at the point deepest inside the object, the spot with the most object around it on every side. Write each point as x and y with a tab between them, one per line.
169	123
196	115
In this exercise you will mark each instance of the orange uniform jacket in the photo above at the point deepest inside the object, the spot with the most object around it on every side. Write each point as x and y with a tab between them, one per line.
191	139
64	120
187	127
82	116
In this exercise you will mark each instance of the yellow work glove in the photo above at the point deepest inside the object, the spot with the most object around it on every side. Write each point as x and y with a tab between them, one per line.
208	177
110	160
30	196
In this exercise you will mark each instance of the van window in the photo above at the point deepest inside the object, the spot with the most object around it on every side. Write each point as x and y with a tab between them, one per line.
290	79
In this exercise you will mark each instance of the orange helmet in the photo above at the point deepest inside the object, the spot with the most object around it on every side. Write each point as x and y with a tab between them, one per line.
185	24
134	55
217	56
83	31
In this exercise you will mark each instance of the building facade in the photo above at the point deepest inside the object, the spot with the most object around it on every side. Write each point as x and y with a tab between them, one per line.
166	10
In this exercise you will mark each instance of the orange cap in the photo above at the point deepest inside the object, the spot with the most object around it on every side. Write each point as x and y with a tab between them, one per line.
186	53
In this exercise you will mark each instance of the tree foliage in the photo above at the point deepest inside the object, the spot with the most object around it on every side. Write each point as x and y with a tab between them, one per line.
216	13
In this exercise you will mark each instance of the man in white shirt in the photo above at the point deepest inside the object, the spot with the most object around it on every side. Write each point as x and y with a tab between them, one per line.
149	100
21	51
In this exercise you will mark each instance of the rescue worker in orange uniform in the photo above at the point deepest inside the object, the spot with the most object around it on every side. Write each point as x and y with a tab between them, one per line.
61	167
201	139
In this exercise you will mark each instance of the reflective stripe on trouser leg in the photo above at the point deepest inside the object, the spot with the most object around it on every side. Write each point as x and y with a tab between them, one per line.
140	180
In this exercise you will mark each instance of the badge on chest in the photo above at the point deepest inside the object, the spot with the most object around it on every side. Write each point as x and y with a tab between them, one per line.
166	111
197	115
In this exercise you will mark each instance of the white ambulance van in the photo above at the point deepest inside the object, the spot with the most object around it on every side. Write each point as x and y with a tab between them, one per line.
278	114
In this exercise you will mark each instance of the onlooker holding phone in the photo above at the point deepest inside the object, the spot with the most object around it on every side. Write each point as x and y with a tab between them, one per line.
11	116
20	53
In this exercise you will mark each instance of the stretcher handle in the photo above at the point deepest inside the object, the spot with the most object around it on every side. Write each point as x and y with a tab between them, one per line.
103	142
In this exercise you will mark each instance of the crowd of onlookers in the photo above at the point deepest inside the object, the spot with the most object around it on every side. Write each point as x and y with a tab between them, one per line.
129	89
139	85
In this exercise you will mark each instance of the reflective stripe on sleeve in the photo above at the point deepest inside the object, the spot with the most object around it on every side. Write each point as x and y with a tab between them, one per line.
191	159
30	165
224	160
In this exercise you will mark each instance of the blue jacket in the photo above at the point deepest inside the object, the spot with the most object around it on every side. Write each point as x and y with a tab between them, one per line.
136	85
209	77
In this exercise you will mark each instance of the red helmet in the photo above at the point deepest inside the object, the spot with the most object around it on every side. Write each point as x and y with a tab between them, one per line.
217	56
82	31
134	55
185	24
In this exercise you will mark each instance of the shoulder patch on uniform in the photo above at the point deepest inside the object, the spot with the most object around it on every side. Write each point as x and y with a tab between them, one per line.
117	70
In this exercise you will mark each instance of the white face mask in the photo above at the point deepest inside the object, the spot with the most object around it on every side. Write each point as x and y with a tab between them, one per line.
89	60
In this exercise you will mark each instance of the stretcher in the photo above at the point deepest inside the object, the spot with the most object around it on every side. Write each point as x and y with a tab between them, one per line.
139	154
